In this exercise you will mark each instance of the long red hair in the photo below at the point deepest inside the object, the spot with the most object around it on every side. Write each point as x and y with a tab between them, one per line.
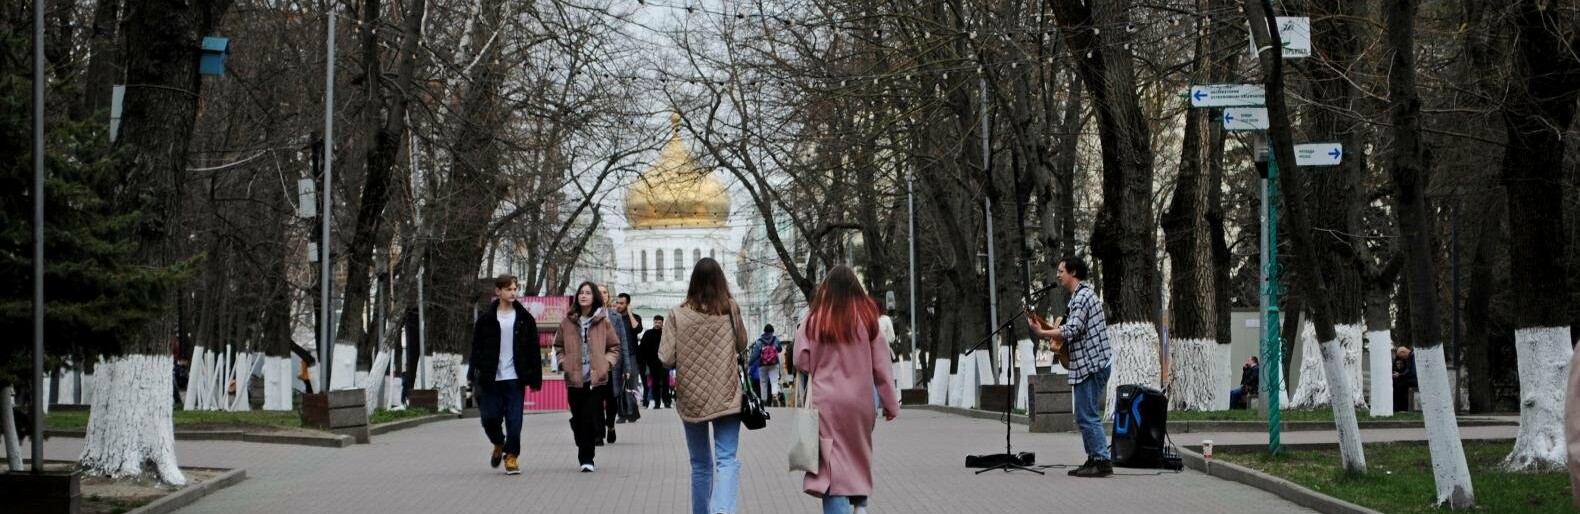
839	307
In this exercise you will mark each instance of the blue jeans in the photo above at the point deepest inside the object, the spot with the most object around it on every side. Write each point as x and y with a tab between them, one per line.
1089	413
715	472
500	404
842	504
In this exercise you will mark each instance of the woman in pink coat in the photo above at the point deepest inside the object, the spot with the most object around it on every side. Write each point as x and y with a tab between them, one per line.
840	347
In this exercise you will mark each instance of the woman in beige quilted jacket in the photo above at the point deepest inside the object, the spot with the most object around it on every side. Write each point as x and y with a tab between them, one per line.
702	341
587	347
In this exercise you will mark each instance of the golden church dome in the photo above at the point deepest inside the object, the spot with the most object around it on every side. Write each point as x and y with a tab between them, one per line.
676	192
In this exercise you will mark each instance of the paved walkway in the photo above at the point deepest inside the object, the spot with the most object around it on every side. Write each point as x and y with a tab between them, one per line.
442	467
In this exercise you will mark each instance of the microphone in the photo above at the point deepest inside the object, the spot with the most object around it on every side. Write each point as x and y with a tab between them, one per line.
1038	293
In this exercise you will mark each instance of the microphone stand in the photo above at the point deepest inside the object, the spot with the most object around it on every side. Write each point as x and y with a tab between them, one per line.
1009	460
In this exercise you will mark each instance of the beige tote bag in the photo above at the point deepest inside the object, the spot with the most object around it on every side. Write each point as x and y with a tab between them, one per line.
804	435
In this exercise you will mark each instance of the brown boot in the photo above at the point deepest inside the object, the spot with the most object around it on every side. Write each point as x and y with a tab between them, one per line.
1098	469
499	454
510	465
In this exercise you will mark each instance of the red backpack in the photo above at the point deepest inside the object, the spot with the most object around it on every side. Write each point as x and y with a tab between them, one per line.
770	355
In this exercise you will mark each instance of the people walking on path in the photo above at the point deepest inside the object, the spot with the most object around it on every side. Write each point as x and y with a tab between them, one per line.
841	348
614	403
1084	333
657	374
504	359
766	352
633	376
588	349
702	340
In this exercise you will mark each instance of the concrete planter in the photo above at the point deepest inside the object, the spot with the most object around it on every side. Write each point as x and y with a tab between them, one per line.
1052	404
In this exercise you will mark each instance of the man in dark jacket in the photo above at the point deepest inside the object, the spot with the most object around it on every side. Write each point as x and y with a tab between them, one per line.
1403	378
656	372
504	360
1250	380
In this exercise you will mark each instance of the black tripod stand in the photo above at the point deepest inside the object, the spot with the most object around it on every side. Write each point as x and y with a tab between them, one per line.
1009	460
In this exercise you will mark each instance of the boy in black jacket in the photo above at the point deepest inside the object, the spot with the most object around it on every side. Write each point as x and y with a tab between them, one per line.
503	362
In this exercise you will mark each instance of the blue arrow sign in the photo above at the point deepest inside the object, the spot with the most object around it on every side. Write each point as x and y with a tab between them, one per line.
1319	154
1226	95
1228	118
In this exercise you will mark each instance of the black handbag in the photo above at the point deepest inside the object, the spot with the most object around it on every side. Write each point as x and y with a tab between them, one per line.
630	405
753	414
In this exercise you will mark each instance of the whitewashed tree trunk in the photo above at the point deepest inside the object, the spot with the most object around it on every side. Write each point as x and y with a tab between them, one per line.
938	387
344	375
1026	355
969	379
373	385
243	377
89	381
277	382
1380	345
13	446
1351	453
1449	471
130	433
962	380
1543	355
1194	380
448	377
197	378
1135	359
1313	389
1350	339
68	386
1223	359
392	389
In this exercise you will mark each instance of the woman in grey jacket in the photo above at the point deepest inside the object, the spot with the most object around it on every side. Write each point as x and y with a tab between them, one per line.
702	341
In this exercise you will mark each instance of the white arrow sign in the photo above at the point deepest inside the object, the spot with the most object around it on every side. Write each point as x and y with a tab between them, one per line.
1245	118
1319	154
1227	95
1295	33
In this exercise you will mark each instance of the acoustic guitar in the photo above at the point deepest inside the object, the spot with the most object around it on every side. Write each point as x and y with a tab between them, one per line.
1059	349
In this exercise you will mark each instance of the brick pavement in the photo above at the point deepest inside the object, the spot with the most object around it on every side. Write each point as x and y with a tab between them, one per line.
442	467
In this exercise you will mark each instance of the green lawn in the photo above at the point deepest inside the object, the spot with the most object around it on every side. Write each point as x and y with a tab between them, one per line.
386	416
191	419
1399	478
1288	415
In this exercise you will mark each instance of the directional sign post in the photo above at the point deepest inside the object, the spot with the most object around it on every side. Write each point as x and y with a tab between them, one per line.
1295	33
1319	154
1245	118
1228	95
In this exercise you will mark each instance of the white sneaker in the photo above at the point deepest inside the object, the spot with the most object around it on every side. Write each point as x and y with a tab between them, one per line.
862	509
587	468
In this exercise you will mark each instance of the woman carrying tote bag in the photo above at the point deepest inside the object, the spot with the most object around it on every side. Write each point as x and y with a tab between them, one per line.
840	347
702	342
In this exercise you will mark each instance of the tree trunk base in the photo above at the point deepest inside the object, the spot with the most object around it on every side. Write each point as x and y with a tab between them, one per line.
1135	358
130	433
1194	380
1380	344
1544	354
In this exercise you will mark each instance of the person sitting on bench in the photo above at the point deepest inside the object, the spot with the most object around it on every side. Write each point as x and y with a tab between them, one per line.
1250	383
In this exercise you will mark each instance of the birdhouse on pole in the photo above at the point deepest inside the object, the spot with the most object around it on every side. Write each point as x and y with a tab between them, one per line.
215	50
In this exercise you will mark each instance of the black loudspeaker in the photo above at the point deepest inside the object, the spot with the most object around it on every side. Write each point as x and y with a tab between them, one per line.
1141	418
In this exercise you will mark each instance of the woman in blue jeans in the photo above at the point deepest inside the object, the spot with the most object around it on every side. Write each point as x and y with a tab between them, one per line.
701	341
